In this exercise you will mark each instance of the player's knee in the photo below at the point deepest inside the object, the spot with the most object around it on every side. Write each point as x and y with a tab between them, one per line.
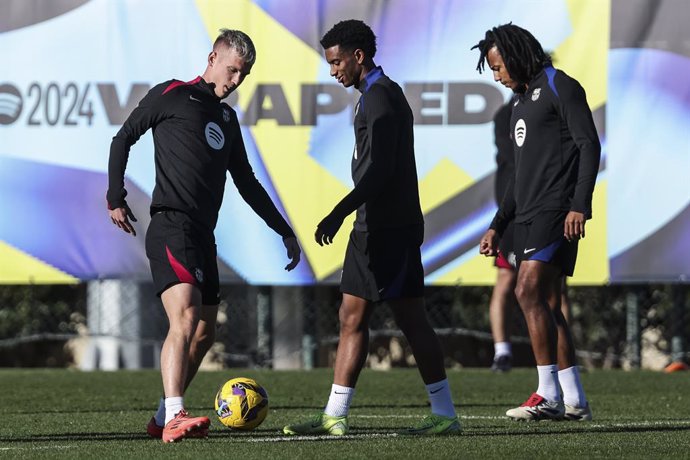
527	292
185	324
351	321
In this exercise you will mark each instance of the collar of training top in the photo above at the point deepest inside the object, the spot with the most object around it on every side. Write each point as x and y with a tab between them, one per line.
550	73
208	87
371	77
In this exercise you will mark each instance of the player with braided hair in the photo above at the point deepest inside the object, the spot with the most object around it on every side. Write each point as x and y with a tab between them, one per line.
549	199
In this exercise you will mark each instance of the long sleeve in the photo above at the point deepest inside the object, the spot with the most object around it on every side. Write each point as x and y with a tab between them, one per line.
383	134
578	116
506	210
143	117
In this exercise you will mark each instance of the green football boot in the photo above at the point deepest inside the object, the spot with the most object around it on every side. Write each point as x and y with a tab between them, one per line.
433	425
321	424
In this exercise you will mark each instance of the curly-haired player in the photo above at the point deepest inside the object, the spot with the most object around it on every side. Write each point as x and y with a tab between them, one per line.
383	259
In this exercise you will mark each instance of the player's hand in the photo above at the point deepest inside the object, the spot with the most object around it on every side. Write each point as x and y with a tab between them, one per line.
488	245
327	228
293	252
574	227
121	217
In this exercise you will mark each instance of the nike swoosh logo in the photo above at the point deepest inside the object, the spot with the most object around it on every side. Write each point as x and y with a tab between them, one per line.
339	393
192	98
527	251
435	391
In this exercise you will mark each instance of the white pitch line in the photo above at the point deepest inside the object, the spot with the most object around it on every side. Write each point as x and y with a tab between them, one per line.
36	447
641	424
289	438
383	435
464	417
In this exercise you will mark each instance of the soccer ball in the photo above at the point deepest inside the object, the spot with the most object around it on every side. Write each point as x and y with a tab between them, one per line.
241	404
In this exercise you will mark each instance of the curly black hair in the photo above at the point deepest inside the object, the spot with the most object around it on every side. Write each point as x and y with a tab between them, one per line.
522	54
350	35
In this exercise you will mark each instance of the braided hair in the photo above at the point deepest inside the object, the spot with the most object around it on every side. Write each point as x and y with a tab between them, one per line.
522	54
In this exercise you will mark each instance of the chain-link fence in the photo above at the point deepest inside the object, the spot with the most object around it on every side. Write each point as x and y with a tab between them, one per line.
121	324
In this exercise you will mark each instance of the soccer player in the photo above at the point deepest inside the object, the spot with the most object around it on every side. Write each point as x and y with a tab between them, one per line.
557	154
503	296
197	140
383	258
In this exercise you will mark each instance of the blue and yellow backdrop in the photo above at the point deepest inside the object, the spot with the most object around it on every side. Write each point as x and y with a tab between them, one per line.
72	70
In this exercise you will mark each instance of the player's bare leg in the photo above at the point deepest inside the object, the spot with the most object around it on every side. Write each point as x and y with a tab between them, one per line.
202	341
534	285
410	316
565	300
353	345
501	303
566	349
350	357
576	405
412	319
500	315
533	291
181	303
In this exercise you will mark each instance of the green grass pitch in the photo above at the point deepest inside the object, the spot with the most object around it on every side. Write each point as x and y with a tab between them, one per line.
102	415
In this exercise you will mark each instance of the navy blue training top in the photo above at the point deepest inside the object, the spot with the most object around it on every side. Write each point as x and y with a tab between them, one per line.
557	151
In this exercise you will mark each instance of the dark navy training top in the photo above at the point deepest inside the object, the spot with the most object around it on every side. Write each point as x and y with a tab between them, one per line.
557	151
384	171
197	139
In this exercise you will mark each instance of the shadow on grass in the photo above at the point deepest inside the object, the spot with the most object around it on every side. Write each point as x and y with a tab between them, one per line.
193	408
272	433
77	437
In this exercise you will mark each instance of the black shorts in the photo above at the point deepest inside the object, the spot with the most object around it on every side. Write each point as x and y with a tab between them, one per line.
542	239
181	251
384	264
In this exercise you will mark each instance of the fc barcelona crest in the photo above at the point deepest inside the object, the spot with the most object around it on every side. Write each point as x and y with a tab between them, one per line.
536	93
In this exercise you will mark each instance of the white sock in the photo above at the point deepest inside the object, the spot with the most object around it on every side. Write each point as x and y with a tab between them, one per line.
440	398
173	405
339	401
548	383
160	413
573	393
502	349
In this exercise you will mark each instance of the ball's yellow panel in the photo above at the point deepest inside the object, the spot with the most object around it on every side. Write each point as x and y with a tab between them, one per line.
241	404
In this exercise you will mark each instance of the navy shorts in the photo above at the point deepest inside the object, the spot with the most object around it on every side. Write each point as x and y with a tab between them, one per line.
542	239
384	264
181	251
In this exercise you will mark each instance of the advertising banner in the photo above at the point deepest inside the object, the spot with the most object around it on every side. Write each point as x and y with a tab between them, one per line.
73	70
